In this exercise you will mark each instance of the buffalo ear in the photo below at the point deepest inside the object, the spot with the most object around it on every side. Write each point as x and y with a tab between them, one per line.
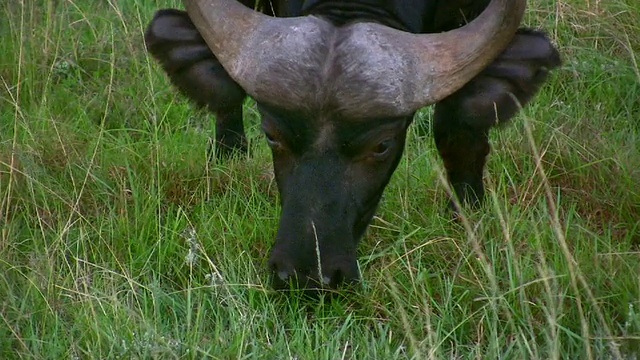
173	40
510	82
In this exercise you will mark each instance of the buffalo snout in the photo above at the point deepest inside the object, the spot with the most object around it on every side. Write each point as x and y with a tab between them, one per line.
299	270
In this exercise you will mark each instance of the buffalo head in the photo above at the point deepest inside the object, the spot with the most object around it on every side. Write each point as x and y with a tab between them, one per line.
336	102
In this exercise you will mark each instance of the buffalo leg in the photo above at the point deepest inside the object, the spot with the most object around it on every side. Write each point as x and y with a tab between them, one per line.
463	120
464	150
174	41
230	136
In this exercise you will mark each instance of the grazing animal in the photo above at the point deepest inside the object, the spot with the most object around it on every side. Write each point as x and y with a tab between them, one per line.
337	84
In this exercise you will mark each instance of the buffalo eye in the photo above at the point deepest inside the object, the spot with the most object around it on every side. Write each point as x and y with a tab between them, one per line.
272	140
382	149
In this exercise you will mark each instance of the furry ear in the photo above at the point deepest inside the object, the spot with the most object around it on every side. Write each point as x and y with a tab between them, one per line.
511	81
173	40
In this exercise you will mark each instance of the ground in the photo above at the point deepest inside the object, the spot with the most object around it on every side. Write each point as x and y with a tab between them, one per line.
119	240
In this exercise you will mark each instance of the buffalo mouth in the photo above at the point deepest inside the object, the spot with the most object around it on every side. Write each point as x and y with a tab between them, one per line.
338	271
308	283
292	269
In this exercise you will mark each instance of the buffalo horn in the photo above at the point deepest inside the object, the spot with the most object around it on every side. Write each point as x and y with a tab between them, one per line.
427	67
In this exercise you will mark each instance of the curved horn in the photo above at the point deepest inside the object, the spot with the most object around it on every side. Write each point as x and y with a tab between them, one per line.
447	61
227	27
258	51
380	71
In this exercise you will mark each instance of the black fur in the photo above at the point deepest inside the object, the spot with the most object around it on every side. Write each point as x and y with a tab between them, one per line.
173	40
463	120
331	171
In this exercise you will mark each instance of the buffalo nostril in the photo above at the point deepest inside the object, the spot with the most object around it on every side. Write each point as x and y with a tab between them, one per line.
344	274
336	278
283	275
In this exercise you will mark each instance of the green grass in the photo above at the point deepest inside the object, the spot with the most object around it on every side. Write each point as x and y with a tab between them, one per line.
119	240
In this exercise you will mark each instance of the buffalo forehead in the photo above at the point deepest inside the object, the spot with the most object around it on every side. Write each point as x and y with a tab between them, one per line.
373	77
315	66
285	65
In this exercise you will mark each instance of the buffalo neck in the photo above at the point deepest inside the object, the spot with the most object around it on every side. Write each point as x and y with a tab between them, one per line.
398	15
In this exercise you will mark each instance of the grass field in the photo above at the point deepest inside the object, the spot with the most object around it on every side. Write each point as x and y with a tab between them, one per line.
119	240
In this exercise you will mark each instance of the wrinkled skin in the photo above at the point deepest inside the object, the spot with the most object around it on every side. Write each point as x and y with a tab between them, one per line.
331	170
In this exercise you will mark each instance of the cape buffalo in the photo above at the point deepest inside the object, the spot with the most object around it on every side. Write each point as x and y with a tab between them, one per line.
337	84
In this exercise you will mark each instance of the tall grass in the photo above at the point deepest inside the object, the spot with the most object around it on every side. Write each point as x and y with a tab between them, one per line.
119	240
